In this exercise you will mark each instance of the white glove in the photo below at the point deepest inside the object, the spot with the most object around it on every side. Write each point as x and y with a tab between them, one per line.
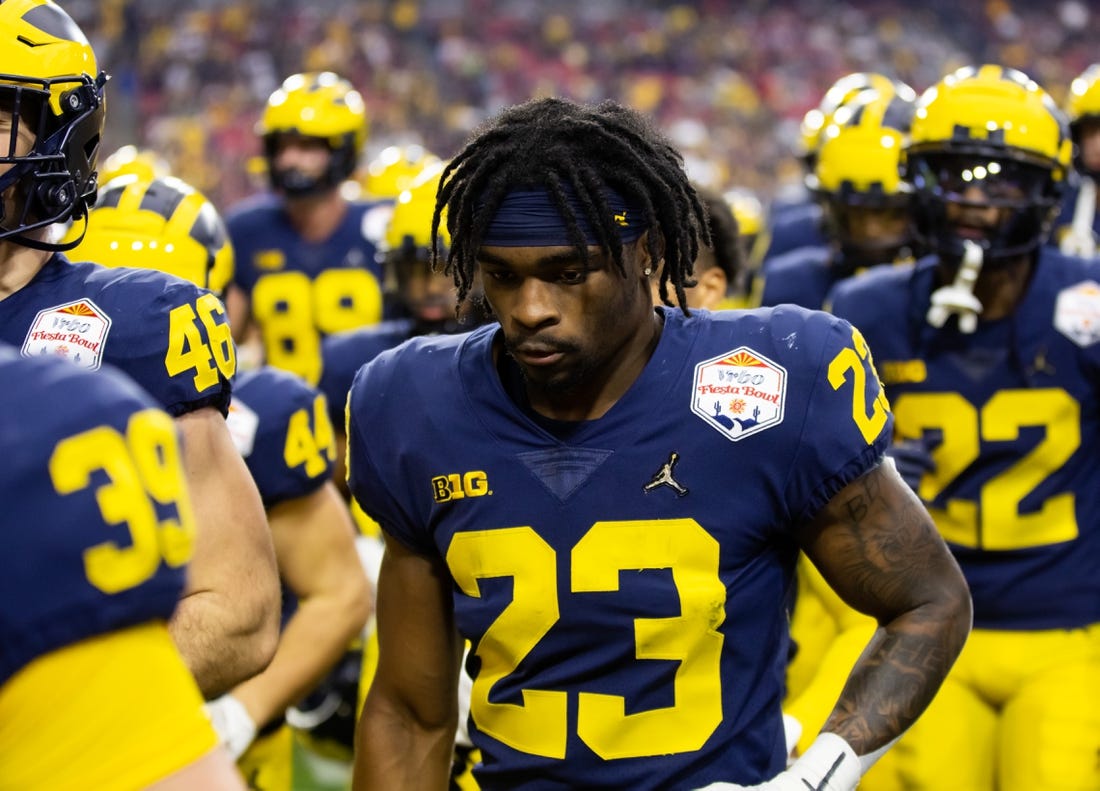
792	732
232	723
829	765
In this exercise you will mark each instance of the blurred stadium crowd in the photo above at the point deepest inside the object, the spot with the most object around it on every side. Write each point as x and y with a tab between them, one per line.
729	81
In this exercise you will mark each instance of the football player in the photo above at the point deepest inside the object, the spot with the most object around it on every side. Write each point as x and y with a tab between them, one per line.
719	269
1077	228
424	297
427	298
857	181
607	499
990	355
281	427
169	336
799	223
95	534
306	255
752	231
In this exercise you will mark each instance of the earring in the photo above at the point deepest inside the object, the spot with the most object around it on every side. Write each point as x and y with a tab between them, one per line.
648	271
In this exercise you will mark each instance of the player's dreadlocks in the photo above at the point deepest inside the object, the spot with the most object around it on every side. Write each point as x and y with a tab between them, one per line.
558	144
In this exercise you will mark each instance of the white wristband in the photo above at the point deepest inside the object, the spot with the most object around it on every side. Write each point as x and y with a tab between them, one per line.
232	722
830	764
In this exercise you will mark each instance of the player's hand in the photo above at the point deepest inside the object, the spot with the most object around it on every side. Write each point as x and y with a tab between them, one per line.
913	458
830	764
232	723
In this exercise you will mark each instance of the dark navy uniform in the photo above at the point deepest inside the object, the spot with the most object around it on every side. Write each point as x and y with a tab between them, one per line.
167	334
623	581
78	529
301	291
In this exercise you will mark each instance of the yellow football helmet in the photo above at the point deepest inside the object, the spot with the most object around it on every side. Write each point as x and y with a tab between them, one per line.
1083	105
412	280
858	180
988	136
411	221
847	88
163	224
394	170
1083	99
129	160
319	105
752	229
52	88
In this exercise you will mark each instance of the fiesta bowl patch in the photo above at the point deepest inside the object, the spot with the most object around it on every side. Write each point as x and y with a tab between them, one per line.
739	393
1077	313
76	331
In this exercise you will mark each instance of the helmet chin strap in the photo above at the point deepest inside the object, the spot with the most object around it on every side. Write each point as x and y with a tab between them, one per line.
957	299
51	247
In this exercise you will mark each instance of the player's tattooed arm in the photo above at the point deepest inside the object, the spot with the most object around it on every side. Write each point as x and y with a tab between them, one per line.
877	547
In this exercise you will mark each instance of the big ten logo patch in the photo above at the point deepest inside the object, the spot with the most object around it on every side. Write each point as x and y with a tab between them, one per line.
457	485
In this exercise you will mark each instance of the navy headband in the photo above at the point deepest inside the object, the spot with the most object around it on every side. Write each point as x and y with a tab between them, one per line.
529	218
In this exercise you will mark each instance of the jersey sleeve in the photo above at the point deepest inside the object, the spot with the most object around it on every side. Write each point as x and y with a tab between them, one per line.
179	347
282	428
847	422
371	461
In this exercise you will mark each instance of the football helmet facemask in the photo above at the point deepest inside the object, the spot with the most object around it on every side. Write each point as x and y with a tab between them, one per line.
987	137
321	106
51	88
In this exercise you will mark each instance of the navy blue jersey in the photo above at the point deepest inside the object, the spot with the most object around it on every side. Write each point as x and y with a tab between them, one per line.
344	353
799	277
281	427
301	291
1013	412
623	580
797	225
95	528
167	334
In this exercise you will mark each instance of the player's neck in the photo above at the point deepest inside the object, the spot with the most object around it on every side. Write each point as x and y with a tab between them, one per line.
316	217
18	266
1001	288
593	398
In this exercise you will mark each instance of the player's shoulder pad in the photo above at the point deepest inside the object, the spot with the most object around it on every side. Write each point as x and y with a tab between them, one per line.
49	385
141	292
790	334
253	212
812	256
278	393
410	363
875	290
